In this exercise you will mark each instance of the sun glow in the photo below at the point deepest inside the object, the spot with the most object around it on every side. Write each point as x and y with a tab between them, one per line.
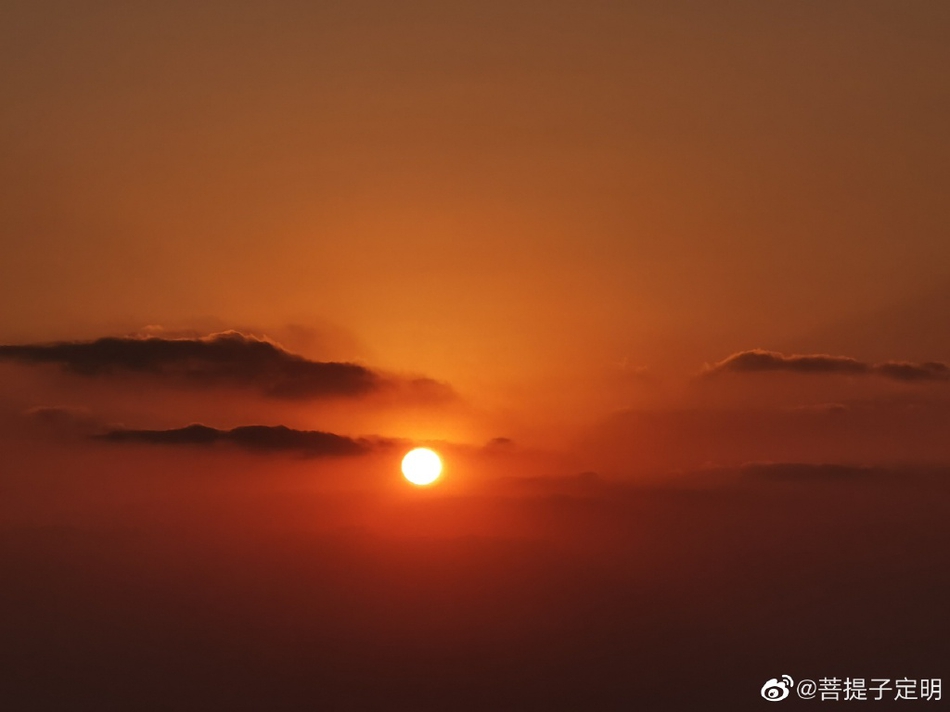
421	466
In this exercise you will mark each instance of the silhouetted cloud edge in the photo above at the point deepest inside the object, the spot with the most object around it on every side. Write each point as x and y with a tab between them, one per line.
228	358
259	438
762	361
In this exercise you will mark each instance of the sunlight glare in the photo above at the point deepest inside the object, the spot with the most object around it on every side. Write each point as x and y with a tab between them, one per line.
421	466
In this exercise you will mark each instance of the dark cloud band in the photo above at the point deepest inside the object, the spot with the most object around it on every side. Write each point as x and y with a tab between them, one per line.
229	358
759	360
261	438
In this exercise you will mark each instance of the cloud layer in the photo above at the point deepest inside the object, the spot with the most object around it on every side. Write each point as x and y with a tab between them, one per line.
230	359
759	360
262	438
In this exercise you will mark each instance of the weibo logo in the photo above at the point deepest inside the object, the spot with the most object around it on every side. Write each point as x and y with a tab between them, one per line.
775	691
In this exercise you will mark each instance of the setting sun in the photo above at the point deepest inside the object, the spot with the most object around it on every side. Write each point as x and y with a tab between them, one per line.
421	466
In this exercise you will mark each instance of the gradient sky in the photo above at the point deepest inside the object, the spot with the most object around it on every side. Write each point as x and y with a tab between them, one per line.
511	197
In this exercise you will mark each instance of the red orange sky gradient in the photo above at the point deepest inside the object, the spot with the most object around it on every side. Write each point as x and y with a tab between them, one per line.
640	272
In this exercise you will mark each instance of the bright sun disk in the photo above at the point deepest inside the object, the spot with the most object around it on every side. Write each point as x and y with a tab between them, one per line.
421	466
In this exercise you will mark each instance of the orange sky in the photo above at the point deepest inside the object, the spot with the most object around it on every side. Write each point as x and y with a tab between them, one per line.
560	209
666	284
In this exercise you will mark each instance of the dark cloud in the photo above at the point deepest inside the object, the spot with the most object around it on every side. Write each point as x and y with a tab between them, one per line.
263	438
929	371
229	359
759	360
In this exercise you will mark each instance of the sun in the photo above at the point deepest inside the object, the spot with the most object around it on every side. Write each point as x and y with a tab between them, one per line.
421	466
